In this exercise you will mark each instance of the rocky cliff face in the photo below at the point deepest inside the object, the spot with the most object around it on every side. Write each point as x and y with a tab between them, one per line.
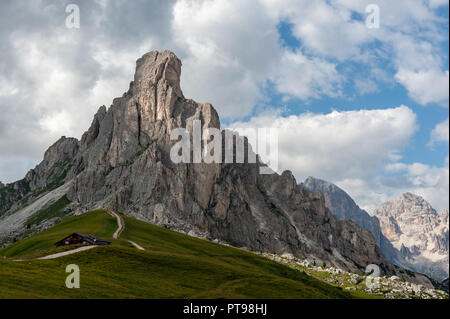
345	208
418	231
123	163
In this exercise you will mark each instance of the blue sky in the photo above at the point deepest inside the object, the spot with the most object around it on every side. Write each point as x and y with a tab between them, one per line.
364	108
387	95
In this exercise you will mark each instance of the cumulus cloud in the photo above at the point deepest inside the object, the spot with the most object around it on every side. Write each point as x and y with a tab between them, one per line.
325	28
437	3
410	37
440	133
318	77
426	86
339	145
228	50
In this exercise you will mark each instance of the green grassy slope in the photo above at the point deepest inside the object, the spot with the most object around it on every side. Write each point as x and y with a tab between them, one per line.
173	265
97	223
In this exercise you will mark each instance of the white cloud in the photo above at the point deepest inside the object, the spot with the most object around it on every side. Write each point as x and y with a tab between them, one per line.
366	86
230	48
440	133
400	15
339	145
437	3
409	39
315	19
318	77
430	182
6	88
426	86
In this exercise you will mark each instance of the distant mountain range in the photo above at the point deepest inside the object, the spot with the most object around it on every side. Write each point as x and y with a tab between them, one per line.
122	163
408	230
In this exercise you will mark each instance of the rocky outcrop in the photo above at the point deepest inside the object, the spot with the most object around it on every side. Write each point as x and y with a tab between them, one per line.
123	163
418	231
58	161
11	195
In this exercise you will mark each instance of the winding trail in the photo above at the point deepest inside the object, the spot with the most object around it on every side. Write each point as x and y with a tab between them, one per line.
120	224
120	228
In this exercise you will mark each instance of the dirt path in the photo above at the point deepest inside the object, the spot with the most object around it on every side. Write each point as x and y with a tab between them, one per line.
120	228
136	245
65	253
120	224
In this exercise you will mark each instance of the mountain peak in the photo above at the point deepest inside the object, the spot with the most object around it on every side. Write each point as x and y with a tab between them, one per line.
312	179
412	222
312	182
155	67
411	197
416	203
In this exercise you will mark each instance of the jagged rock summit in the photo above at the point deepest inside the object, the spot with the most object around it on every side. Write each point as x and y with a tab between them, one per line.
122	162
418	231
